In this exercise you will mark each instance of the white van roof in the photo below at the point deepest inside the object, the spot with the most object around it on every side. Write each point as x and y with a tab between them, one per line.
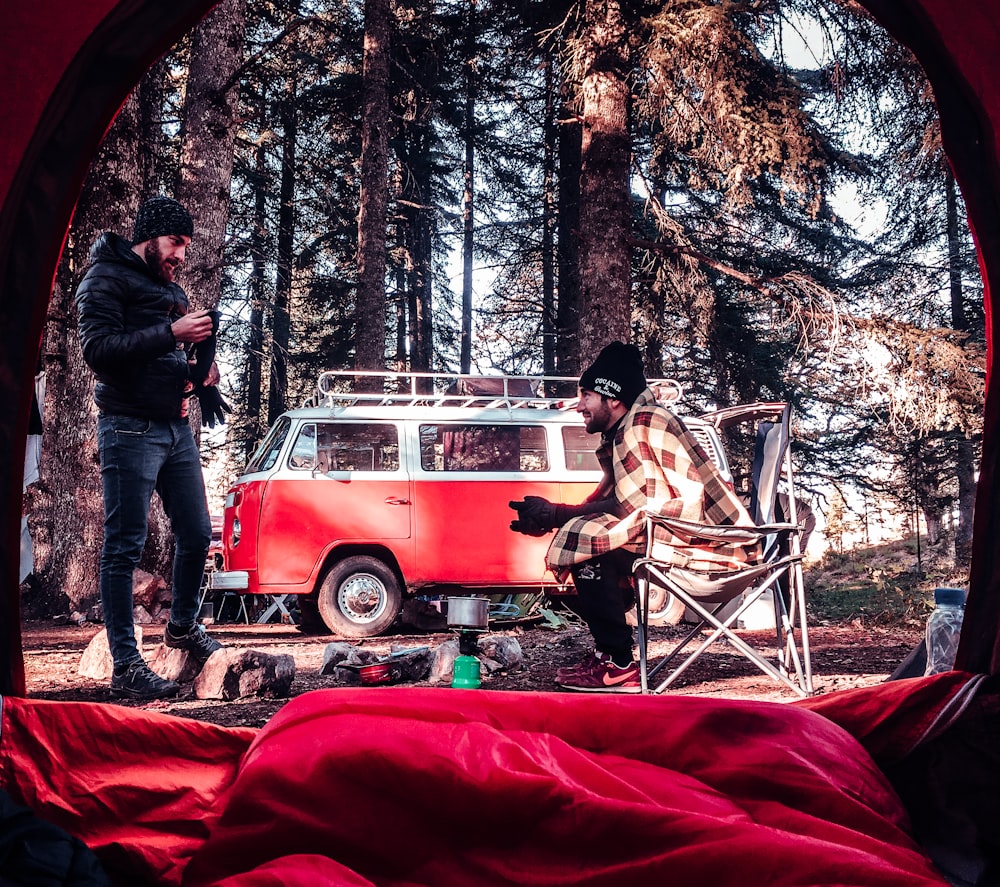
347	388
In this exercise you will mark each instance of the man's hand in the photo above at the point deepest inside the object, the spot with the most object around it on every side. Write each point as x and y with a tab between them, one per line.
535	516
196	326
214	376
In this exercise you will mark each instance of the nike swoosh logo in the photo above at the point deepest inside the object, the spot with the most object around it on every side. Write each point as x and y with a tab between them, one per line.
610	681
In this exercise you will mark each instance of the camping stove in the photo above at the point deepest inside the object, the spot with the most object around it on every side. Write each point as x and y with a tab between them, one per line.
470	615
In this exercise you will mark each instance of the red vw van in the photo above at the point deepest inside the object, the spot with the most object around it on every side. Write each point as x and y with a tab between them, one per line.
358	500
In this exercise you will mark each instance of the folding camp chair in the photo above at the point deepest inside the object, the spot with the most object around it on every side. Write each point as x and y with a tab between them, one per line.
718	600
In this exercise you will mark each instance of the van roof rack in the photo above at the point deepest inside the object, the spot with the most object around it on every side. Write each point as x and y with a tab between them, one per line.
340	388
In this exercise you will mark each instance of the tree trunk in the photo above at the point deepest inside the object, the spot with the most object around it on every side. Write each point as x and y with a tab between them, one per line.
281	329
208	136
570	137
151	96
258	296
965	452
371	303
418	244
468	197
550	137
605	206
67	516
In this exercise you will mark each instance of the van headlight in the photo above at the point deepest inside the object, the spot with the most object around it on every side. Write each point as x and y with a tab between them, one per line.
237	532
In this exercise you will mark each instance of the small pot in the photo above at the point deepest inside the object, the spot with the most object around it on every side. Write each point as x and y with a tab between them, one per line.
468	612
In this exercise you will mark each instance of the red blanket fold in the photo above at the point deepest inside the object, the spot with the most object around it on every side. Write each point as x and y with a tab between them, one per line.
141	789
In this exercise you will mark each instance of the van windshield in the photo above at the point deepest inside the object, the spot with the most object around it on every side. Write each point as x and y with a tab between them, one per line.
267	452
470	447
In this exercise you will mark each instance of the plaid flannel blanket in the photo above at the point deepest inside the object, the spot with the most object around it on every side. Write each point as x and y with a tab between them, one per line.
654	460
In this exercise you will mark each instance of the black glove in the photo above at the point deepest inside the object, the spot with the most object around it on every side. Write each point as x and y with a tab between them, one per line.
203	353
213	407
535	516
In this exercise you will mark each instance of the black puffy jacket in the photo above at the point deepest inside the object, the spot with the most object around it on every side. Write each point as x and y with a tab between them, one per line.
125	315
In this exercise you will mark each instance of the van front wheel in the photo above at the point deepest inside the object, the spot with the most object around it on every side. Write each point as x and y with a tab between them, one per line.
360	597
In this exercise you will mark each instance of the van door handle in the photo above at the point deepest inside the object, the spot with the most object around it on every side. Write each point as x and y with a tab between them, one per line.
393	500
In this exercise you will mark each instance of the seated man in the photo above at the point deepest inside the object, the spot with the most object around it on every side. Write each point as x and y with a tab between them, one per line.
648	458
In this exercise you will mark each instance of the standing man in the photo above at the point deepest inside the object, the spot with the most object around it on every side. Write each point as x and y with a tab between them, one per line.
648	458
148	351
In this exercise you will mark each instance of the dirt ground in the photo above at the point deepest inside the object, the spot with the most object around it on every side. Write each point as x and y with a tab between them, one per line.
843	657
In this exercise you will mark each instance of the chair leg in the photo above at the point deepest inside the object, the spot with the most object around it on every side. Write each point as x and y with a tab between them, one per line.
641	623
724	629
798	607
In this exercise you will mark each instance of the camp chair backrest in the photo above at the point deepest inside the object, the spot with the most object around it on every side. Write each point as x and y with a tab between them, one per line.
770	448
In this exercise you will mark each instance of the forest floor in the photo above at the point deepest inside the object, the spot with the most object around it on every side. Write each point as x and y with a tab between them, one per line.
843	657
867	610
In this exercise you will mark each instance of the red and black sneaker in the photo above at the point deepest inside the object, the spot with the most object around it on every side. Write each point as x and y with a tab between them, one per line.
586	664
603	677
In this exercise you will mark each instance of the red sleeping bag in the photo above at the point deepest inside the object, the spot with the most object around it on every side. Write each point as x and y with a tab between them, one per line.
396	786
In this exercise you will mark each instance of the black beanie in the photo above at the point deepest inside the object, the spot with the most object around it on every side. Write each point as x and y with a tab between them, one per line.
616	373
161	216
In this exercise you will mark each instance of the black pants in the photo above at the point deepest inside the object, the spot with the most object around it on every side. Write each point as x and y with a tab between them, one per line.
603	596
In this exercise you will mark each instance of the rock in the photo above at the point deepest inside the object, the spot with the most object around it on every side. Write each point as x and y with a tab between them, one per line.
146	589
235	674
506	651
414	664
443	662
96	662
141	616
173	664
341	653
491	665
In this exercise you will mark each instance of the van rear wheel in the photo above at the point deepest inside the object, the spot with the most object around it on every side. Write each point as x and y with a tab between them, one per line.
360	597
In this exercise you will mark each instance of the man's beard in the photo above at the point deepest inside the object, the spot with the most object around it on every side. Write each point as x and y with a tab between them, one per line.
163	268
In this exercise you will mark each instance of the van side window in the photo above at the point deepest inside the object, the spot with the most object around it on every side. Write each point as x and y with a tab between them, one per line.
580	448
346	446
267	452
466	447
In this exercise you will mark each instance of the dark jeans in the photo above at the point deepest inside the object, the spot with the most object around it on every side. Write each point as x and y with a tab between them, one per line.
603	596
139	456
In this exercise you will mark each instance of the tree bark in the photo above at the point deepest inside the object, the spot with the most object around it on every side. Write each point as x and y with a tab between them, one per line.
281	324
208	136
965	456
468	196
67	513
550	134
371	302
258	295
151	95
605	206
570	136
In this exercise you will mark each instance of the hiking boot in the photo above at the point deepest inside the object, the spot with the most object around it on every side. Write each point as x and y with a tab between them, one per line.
139	681
604	677
584	665
195	641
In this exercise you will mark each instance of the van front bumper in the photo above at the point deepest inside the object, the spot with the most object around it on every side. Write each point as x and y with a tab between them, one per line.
230	580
